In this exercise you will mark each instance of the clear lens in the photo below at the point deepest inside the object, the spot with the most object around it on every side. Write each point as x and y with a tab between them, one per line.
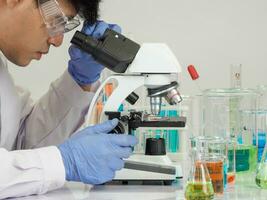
56	21
71	24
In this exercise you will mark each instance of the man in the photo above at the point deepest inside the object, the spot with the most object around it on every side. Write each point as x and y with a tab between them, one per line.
28	28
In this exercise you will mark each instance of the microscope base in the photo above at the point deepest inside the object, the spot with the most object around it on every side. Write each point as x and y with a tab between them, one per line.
141	167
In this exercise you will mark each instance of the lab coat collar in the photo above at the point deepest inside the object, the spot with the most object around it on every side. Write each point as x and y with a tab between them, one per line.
10	108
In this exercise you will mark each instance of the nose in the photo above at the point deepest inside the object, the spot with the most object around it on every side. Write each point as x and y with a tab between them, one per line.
56	40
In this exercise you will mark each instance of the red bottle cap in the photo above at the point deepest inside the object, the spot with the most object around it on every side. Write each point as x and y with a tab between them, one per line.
193	72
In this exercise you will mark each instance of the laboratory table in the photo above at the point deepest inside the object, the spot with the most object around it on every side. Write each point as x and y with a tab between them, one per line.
244	189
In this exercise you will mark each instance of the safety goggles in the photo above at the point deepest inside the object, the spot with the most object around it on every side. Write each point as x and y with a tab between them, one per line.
56	21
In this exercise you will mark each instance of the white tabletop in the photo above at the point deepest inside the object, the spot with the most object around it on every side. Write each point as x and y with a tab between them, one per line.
244	189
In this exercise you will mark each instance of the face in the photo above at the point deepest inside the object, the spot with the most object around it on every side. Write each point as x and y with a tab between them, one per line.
24	36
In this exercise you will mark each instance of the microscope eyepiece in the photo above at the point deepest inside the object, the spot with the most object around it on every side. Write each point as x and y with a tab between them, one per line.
113	50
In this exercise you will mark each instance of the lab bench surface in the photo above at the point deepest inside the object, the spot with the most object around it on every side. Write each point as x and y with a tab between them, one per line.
245	189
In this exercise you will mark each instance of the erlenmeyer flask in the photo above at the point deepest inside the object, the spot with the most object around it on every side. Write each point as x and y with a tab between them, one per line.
199	185
261	175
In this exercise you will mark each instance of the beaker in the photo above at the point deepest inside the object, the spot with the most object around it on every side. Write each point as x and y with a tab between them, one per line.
215	167
199	185
213	151
230	114
261	174
221	108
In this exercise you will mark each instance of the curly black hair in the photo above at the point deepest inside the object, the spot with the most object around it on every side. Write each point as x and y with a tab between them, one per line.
87	9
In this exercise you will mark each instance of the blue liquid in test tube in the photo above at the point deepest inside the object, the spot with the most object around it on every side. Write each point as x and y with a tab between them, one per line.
173	134
225	167
158	134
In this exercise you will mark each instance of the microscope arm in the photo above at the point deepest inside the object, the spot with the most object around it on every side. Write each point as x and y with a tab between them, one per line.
125	86
94	100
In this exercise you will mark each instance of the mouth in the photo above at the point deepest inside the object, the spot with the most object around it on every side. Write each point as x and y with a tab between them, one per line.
43	52
38	54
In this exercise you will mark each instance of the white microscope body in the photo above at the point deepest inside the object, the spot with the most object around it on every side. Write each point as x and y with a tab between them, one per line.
154	65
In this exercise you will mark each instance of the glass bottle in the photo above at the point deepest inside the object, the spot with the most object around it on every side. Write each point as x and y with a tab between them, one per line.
199	185
261	174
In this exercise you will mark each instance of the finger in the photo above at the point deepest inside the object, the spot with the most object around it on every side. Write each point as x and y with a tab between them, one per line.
88	29
107	175
123	152
104	127
115	27
100	28
75	53
110	176
123	140
115	164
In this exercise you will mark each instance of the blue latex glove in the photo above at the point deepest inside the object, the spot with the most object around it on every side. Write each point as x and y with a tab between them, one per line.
82	66
92	156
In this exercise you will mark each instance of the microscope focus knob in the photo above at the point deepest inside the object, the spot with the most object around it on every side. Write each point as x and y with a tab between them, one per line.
155	146
119	129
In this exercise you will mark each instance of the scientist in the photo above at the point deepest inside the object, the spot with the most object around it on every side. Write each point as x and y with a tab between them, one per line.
27	29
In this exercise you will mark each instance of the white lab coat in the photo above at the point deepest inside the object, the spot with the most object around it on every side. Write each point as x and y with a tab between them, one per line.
23	124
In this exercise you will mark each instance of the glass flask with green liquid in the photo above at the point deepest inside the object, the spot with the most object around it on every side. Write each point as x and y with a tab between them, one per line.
199	185
261	174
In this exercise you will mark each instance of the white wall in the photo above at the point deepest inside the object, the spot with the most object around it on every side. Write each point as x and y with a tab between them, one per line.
212	34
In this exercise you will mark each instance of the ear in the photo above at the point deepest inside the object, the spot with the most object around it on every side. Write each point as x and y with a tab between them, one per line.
12	3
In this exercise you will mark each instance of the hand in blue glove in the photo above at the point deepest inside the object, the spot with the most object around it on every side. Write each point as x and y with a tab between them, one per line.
82	66
92	156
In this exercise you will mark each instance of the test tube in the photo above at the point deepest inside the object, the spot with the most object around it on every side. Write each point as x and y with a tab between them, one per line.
231	162
173	134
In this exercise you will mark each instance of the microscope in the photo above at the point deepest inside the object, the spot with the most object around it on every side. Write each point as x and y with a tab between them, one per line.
153	66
